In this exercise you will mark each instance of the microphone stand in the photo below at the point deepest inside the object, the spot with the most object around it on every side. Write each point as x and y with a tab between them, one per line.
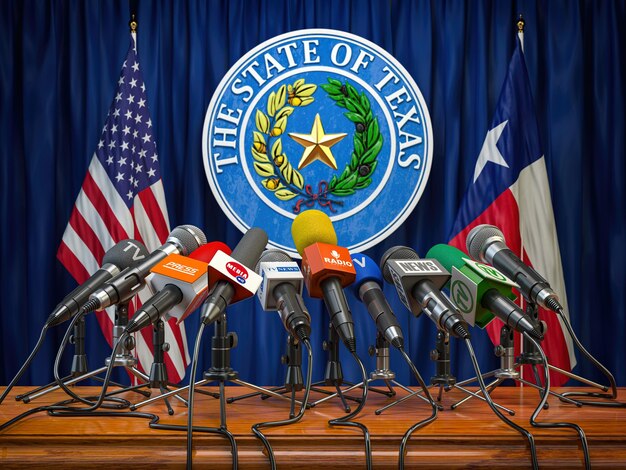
443	378
79	361
158	372
79	364
120	359
333	375
534	357
382	372
294	381
221	344
509	367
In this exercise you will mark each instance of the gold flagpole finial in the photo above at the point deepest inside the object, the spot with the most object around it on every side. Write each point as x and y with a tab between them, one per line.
520	24
133	24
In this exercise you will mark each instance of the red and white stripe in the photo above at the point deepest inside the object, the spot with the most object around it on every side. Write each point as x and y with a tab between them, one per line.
99	220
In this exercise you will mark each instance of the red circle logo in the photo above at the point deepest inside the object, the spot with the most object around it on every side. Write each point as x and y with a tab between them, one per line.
236	270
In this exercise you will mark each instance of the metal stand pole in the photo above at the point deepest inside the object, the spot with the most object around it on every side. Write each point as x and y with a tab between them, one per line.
530	355
158	372
294	380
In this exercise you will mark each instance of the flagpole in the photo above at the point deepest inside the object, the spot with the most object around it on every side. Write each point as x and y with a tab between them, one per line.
132	24
520	30
520	34
521	23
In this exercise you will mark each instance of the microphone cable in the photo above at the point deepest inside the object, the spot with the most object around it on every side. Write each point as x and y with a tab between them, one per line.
26	364
271	424
544	399
122	403
153	424
58	406
192	388
344	420
422	423
189	428
598	365
118	403
483	388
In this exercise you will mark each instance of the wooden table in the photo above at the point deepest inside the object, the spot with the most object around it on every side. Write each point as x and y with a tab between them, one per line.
470	436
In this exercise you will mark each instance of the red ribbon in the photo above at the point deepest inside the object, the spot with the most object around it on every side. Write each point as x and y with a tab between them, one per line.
321	198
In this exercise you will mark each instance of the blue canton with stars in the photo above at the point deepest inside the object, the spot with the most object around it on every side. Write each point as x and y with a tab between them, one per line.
127	149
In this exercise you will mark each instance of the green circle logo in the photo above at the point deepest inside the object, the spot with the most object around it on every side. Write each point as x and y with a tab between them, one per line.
492	272
462	297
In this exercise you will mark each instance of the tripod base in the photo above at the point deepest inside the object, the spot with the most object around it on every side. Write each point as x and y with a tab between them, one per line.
213	377
69	380
123	360
441	389
510	369
500	378
443	378
294	380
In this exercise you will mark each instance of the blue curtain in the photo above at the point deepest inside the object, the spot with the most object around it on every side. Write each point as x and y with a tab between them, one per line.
59	63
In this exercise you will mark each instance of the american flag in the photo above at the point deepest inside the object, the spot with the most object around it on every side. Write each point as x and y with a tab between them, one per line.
122	197
510	190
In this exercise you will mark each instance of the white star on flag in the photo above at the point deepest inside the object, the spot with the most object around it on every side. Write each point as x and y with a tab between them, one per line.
490	151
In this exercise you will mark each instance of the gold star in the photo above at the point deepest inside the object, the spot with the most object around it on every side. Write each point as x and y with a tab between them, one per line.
317	145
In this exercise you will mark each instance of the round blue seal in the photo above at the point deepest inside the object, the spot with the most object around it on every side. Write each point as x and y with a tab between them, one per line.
318	119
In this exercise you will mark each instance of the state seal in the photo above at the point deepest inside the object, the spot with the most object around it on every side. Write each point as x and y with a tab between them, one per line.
318	119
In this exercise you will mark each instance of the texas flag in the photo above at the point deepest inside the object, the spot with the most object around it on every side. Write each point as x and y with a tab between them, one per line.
509	189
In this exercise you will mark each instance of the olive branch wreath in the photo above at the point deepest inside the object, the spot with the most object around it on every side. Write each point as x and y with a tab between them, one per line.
278	174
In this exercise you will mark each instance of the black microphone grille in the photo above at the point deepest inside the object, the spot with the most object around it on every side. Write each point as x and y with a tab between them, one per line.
478	238
125	254
188	238
269	256
249	249
396	252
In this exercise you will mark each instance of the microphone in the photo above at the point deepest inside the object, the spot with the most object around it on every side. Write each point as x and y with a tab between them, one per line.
367	288
124	254
327	269
231	277
481	291
418	283
181	286
486	243
281	290
207	252
182	240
